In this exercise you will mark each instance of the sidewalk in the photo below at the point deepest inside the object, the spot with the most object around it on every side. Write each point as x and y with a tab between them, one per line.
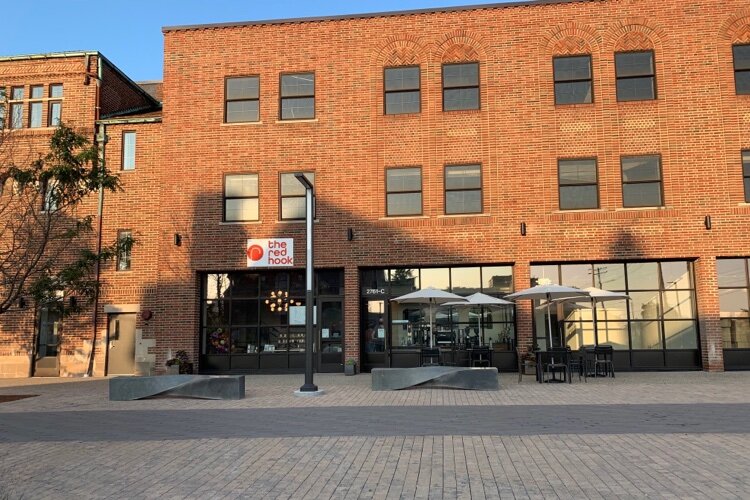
641	435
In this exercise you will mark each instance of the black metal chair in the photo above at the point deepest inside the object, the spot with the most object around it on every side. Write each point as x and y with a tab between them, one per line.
429	356
603	357
557	362
481	356
577	363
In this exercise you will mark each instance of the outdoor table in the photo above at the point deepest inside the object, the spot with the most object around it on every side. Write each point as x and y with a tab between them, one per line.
540	356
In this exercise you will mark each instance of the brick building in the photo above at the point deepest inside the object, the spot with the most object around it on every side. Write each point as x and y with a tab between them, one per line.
486	148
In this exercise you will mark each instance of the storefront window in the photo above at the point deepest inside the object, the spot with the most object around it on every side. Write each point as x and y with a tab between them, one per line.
497	280
437	278
466	280
404	281
734	303
577	275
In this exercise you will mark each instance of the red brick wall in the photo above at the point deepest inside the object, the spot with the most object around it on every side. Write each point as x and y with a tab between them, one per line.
697	125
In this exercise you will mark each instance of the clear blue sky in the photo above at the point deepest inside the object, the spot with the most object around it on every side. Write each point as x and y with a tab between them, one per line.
129	32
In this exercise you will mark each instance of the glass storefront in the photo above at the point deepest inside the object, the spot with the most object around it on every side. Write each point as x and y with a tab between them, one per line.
255	320
734	302
393	333
656	328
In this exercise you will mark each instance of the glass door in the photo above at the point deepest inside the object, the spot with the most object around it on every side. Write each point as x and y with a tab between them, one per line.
331	336
373	335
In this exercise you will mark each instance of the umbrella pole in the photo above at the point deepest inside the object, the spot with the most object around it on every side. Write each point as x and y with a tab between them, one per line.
432	339
596	328
481	327
549	321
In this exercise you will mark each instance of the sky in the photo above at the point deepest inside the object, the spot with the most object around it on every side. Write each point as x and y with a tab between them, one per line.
129	33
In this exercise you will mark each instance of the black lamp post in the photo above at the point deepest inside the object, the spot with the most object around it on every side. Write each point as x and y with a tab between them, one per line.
308	388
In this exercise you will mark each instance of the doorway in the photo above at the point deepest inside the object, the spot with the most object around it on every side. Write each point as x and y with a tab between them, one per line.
47	361
121	351
373	335
331	336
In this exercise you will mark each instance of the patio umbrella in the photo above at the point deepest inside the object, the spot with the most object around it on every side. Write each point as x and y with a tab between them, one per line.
429	296
597	295
480	300
548	292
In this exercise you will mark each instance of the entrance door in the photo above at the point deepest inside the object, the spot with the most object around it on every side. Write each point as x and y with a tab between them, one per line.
121	352
331	336
47	362
373	335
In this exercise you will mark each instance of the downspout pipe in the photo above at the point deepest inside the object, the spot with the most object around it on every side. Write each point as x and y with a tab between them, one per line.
101	140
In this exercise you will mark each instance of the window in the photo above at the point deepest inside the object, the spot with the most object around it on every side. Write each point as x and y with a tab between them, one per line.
54	114
742	68
49	331
124	242
572	79
463	189
641	181
241	97
128	150
241	197
49	196
746	173
635	76
35	107
403	191
16	109
578	184
460	86
298	96
2	116
733	302
401	87
293	196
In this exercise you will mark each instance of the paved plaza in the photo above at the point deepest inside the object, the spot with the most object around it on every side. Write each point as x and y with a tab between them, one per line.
659	435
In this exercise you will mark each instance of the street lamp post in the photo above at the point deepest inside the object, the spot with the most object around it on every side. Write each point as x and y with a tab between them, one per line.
308	388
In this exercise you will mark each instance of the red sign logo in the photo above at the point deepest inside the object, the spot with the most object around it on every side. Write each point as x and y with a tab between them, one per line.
255	253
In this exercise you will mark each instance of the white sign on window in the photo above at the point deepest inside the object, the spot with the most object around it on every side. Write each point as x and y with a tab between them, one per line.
273	252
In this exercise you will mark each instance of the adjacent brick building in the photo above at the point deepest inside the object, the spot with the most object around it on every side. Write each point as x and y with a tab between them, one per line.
477	148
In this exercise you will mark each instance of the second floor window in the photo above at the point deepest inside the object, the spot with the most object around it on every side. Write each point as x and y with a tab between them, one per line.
128	150
578	184
742	68
641	181
460	86
635	76
241	198
572	79
124	242
463	189
298	96
242	97
49	196
293	196
35	107
54	114
746	173
2	116
401	87
403	188
16	108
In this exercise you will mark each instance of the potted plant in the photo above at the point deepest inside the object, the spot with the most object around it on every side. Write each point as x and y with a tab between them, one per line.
529	363
350	368
179	364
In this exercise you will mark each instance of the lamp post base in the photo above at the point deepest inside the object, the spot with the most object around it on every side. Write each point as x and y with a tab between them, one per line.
304	392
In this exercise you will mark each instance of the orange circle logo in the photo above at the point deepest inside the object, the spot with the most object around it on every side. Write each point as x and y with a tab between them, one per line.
255	253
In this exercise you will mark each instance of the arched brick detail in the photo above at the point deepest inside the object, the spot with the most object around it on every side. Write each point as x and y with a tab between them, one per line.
460	46
636	34
571	38
736	29
400	51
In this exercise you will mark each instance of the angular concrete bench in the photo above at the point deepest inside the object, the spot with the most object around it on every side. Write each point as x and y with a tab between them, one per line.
453	377
191	386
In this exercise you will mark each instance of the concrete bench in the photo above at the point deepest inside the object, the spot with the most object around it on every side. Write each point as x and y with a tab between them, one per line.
453	377
191	386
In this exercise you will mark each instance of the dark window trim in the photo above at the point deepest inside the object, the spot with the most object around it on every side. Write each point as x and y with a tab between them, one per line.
227	100
736	71
418	89
31	90
652	75
745	176
225	197
281	95
53	84
12	88
120	254
661	181
122	153
478	86
421	191
560	185
555	81
282	196
49	111
446	190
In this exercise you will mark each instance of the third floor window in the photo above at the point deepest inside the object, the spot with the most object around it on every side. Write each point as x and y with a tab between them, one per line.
573	79
742	68
636	79
402	93
298	96
241	99
460	86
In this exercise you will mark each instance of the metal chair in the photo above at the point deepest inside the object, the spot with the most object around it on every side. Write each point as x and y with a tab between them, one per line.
577	362
429	357
558	362
603	357
481	356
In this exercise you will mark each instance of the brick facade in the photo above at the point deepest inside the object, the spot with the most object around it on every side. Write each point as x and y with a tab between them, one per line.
697	125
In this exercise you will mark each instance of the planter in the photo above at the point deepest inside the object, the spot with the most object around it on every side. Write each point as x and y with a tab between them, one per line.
350	370
186	368
173	370
529	368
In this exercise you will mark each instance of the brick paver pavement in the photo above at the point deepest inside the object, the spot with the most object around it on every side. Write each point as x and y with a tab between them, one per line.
681	435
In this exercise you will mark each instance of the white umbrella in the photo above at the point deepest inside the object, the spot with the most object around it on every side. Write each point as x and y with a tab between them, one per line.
548	292
429	296
597	295
480	300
